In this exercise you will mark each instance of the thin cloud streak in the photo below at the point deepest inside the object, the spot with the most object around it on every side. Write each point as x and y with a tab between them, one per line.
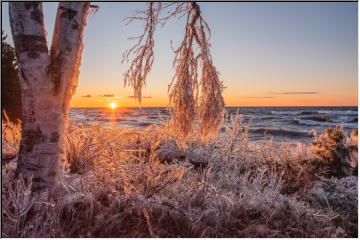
293	93
141	97
257	97
109	96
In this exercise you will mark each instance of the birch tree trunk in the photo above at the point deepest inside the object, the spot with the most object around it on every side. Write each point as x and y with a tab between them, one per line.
48	80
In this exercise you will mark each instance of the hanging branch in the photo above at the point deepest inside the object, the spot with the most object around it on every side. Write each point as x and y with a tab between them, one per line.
143	51
191	57
184	94
141	65
212	102
182	97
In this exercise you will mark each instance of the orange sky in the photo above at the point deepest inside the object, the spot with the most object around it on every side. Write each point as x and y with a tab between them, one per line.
271	99
268	54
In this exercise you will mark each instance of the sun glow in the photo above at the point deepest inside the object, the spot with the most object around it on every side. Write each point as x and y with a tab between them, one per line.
112	105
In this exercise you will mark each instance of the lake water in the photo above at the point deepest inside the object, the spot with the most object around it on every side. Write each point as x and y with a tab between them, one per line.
281	123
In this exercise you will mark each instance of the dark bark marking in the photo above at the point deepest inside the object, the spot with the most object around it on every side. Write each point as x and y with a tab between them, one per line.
23	76
75	26
38	184
68	48
38	188
32	44
31	138
64	108
52	173
54	137
34	166
36	13
37	16
39	180
54	73
33	5
31	116
33	169
68	13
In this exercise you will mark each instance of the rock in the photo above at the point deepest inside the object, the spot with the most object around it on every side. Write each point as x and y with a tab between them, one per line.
197	159
339	194
168	151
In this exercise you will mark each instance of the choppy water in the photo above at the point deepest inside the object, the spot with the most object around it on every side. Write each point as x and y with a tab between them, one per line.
281	123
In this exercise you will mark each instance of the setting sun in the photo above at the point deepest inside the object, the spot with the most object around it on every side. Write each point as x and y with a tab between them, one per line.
112	105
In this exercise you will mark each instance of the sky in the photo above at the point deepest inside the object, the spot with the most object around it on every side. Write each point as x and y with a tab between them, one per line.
267	53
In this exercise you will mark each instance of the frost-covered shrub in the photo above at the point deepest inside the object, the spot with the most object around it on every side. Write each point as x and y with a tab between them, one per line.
340	194
331	154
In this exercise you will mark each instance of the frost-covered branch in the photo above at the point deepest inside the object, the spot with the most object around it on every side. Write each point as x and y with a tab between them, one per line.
143	51
141	65
191	96
192	54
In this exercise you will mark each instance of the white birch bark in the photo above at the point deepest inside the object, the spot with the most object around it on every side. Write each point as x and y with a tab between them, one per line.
47	84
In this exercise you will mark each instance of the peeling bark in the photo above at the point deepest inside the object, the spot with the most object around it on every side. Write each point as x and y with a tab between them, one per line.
47	83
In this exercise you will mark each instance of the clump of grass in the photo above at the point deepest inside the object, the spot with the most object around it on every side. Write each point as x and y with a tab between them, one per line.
352	145
82	150
340	195
16	203
331	153
11	134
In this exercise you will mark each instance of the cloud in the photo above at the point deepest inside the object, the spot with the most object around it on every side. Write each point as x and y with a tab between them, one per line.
107	95
293	93
257	97
141	97
87	96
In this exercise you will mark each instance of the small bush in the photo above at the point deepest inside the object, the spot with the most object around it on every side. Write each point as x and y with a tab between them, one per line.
331	153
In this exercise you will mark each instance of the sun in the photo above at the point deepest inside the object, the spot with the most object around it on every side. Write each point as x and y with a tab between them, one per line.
112	105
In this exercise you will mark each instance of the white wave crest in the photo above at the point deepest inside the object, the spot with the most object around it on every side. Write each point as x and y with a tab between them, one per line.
254	117
348	112
327	124
286	112
343	119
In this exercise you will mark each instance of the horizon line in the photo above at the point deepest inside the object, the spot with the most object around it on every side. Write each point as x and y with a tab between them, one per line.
230	106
